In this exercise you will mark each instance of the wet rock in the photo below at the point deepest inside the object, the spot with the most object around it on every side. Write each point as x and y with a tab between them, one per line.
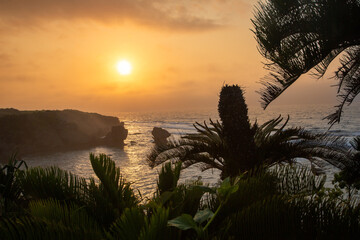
116	136
160	135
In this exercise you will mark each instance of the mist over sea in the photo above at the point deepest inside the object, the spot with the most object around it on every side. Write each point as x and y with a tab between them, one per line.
132	159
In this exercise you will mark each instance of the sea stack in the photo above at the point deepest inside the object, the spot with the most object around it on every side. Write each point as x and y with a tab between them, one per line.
116	136
160	135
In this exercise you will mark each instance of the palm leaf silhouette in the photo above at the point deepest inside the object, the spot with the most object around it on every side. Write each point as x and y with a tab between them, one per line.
299	36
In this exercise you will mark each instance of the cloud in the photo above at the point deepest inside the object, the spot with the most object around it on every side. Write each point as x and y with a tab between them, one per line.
156	13
8	79
4	57
5	61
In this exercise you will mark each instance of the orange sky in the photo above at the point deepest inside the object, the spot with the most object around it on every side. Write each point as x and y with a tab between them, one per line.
62	54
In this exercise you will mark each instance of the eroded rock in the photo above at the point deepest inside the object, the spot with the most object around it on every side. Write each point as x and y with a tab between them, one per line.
116	136
160	135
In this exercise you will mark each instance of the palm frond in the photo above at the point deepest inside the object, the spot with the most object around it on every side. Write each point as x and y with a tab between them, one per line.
276	143
204	147
279	218
168	177
349	81
53	182
70	215
113	194
129	225
156	227
298	180
35	228
298	36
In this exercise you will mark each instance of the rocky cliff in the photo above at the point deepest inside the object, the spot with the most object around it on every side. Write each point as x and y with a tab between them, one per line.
33	132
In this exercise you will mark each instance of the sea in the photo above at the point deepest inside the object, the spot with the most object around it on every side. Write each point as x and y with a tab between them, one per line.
132	158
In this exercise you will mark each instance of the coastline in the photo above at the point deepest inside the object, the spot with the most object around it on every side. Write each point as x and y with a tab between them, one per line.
29	133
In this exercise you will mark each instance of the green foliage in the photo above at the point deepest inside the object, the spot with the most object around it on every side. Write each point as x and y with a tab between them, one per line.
10	188
51	219
349	176
186	221
134	224
113	194
53	182
250	189
129	225
156	227
272	206
182	198
279	218
298	180
203	215
268	219
226	189
70	215
185	198
277	203
183	222
36	229
168	177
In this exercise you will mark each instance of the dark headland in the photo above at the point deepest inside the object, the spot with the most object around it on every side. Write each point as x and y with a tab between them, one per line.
47	131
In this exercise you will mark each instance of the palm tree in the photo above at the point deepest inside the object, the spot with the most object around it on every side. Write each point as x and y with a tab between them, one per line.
235	146
297	36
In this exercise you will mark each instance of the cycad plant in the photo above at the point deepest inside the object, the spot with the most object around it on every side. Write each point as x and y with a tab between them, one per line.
235	146
275	203
279	203
238	134
177	197
60	205
52	182
112	195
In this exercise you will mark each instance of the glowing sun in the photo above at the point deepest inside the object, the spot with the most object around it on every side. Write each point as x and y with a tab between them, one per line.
124	67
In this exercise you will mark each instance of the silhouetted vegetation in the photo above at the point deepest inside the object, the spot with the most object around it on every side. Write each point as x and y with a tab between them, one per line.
281	203
257	198
235	146
261	194
297	36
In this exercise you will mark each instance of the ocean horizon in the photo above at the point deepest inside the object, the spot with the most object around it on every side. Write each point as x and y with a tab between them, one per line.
132	159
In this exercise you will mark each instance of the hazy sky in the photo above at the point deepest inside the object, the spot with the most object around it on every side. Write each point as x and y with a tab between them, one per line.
57	54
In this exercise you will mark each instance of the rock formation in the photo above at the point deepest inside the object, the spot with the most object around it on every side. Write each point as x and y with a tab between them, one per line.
116	136
39	132
160	135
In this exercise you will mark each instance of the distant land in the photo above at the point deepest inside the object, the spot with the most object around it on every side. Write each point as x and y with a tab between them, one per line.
47	131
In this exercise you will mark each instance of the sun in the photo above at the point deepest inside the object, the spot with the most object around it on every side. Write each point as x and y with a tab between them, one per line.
124	67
